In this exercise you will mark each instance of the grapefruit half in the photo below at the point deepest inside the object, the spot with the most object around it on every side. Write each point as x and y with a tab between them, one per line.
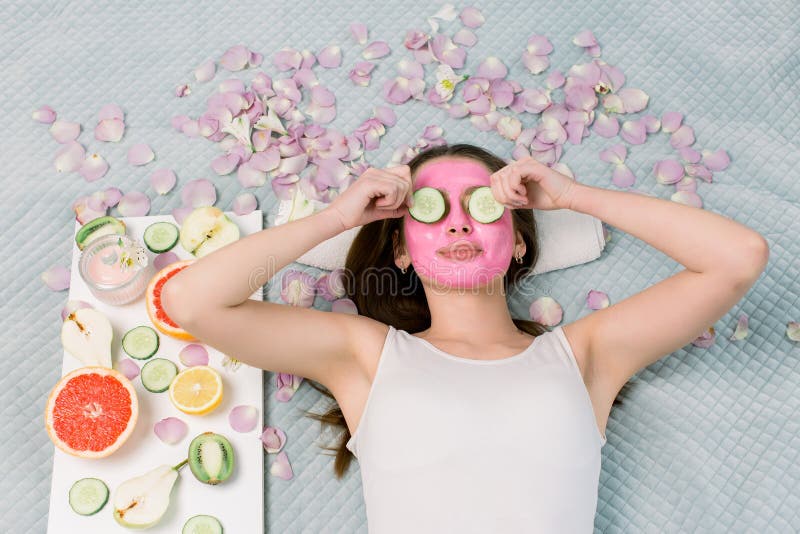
91	412
155	310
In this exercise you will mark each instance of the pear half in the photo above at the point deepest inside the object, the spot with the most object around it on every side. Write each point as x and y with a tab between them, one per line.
86	334
141	501
207	229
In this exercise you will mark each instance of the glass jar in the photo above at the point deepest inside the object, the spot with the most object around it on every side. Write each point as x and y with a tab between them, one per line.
106	277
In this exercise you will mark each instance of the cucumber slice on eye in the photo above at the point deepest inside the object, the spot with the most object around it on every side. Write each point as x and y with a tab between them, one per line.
161	236
483	207
140	342
428	206
202	524
158	374
87	496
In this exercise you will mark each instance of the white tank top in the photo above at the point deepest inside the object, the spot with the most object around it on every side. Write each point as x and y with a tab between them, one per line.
450	444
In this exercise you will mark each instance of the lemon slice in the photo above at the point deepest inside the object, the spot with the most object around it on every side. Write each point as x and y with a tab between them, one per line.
196	390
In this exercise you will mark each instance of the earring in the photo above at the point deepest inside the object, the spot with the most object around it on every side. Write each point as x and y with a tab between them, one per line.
519	258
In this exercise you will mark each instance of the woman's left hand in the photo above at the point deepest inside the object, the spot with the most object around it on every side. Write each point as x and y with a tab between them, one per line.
528	183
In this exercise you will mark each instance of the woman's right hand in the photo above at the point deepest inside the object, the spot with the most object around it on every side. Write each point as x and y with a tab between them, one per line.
376	194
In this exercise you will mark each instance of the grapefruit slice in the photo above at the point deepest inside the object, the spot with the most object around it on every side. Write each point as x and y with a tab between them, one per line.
155	310
91	412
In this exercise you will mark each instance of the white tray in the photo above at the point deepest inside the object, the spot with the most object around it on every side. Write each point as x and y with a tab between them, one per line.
239	501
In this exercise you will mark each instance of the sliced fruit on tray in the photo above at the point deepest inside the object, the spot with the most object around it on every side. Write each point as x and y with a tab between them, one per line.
161	236
140	502
207	229
88	496
196	390
158	374
98	227
211	458
155	309
86	334
202	524
140	342
91	412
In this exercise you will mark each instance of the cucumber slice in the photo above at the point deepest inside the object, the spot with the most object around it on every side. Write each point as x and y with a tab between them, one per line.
161	236
157	374
202	524
140	342
483	207
429	205
87	496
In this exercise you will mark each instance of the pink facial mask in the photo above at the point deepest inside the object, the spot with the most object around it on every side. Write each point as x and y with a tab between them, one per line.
496	239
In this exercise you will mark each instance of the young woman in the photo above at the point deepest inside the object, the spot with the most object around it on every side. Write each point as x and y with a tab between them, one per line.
463	418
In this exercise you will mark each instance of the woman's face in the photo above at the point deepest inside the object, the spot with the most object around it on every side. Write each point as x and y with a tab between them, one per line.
456	177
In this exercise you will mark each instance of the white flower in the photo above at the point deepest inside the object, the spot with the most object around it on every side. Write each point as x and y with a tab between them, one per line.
240	129
446	81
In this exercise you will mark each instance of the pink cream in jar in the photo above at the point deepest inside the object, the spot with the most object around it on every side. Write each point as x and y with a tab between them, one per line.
115	269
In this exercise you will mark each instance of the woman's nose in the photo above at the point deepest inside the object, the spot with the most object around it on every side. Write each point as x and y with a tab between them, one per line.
457	227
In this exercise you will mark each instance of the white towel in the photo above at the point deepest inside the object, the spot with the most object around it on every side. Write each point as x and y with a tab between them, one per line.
566	237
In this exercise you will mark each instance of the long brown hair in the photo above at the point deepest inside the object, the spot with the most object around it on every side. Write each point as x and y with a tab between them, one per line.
373	248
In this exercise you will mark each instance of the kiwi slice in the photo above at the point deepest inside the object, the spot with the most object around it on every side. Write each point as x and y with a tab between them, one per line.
211	458
98	227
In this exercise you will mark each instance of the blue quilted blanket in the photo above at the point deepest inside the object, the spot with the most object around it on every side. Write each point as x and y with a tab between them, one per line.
707	438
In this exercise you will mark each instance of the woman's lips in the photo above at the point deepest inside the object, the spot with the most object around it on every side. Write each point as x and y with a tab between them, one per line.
461	253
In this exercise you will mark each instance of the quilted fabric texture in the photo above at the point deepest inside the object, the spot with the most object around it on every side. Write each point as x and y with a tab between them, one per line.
707	438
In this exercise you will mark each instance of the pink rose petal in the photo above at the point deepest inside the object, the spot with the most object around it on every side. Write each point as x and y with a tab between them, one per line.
205	71
110	111
181	213
140	154
235	58
73	305
273	439
111	196
668	171
359	32
134	204
492	67
93	168
164	259
280	467
199	192
243	418
171	430
109	130
465	37
64	132
287	59
471	17
547	311
717	160
56	277
45	115
597	300
193	354
86	210
330	57
244	203
163	180
70	157
683	136
128	367
671	121
376	50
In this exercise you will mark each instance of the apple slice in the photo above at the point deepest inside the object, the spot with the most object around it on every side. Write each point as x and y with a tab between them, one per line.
207	229
140	502
87	334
